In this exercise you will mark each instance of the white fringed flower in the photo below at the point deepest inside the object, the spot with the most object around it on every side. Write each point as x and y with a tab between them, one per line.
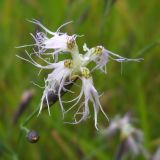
90	94
59	42
101	56
56	79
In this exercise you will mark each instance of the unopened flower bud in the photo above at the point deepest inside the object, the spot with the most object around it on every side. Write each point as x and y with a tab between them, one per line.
32	136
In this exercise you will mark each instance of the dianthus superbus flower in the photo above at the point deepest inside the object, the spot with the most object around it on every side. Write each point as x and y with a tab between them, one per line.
62	72
101	56
57	78
58	43
90	94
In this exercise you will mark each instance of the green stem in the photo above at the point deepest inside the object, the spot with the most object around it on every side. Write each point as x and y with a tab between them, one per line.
30	117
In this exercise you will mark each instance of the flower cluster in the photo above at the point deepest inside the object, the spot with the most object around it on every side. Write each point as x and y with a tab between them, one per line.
62	72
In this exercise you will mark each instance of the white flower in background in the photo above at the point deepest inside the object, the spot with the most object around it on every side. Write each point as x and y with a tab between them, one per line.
156	155
132	136
62	72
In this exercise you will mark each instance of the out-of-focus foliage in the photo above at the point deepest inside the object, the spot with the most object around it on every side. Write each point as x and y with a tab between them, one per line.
129	28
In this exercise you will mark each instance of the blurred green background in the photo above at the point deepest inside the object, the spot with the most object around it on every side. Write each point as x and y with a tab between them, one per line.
130	28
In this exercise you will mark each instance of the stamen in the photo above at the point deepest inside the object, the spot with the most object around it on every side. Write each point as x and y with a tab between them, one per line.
85	72
97	50
68	63
71	42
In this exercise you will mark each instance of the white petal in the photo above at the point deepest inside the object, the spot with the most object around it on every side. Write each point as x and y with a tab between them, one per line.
133	145
57	42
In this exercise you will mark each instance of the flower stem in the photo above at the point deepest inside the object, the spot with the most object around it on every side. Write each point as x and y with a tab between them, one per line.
30	117
120	150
